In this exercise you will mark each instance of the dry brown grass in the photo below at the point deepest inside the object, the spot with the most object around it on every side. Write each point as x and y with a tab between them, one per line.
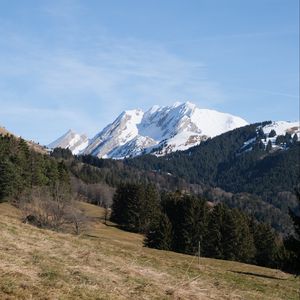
107	263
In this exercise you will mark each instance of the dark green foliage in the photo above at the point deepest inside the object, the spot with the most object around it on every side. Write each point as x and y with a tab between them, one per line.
188	215
280	140
22	168
8	179
226	162
272	133
228	235
223	233
292	242
62	153
135	206
295	138
269	146
159	234
265	244
213	240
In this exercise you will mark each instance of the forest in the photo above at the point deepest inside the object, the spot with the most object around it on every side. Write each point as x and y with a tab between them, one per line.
181	222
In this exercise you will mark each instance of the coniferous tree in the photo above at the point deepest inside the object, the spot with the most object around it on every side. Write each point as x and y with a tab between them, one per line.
245	247
272	133
213	240
151	207
265	244
295	138
134	206
292	243
188	233
159	234
269	146
7	179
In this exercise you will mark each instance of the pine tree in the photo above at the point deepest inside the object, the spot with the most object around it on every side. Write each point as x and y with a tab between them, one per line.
213	240
292	243
295	138
245	247
188	234
269	146
7	179
150	209
265	244
272	133
229	233
159	235
119	205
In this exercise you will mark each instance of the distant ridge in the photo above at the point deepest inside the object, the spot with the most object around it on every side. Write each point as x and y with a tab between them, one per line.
160	130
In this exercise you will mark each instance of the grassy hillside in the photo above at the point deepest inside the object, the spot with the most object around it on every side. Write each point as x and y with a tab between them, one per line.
31	144
107	263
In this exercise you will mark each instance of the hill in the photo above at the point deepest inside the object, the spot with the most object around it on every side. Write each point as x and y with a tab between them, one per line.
107	263
261	180
32	145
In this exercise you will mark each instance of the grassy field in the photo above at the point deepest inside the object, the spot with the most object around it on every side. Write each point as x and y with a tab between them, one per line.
107	263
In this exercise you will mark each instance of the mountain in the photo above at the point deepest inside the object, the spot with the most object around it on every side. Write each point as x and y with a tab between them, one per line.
160	130
239	161
71	140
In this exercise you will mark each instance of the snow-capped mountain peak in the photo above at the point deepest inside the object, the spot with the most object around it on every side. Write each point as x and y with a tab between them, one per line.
71	140
159	130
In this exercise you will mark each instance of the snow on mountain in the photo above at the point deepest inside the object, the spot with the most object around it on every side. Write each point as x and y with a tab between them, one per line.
160	130
274	134
121	131
283	127
71	140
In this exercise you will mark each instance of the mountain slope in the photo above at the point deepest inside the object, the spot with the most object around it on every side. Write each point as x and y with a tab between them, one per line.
71	140
160	130
224	162
32	145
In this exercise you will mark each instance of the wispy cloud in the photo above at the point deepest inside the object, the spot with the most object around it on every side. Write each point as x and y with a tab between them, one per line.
98	80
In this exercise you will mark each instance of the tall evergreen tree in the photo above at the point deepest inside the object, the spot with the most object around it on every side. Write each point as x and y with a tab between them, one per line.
272	133
292	243
8	178
269	146
265	244
159	234
295	138
213	240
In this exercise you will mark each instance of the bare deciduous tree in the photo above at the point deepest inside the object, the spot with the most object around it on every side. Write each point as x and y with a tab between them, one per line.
51	208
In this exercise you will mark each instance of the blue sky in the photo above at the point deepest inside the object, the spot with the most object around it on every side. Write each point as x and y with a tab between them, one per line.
78	64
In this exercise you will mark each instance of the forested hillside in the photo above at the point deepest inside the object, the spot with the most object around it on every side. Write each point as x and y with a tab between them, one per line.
259	182
23	168
265	175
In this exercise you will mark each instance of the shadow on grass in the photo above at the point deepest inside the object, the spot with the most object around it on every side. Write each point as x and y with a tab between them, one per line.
257	275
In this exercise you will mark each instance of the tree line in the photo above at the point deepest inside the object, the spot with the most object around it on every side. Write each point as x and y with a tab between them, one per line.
179	222
22	168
